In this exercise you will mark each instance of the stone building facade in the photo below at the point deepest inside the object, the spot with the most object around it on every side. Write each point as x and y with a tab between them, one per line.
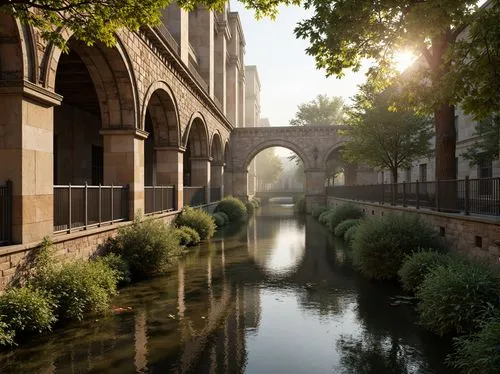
252	116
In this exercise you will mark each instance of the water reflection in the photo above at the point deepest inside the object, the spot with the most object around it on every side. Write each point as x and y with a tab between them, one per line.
239	304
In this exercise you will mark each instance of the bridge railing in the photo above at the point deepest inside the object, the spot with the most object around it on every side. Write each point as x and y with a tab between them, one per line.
195	195
159	199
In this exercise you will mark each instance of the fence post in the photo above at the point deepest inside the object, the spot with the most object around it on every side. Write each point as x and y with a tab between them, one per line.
86	202
111	203
467	196
404	194
162	204
175	204
383	192
417	189
69	208
100	205
393	193
8	185
437	194
154	198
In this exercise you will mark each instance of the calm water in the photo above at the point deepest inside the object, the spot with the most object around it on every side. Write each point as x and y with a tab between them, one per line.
240	304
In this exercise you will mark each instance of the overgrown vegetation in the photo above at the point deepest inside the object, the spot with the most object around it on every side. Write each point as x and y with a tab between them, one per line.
197	219
418	265
318	210
341	213
220	219
299	204
234	208
343	226
187	236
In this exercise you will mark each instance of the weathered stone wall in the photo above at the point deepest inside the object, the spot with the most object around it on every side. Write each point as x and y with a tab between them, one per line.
464	233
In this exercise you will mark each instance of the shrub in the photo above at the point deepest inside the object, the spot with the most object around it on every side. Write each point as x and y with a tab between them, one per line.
255	202
299	204
417	266
343	226
27	310
188	236
318	210
453	298
342	213
79	287
350	233
120	267
381	244
233	207
6	335
147	246
220	219
250	208
324	217
199	220
479	353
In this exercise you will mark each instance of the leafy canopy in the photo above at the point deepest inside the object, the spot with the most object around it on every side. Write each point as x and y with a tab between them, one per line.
322	111
487	147
98	20
269	166
383	138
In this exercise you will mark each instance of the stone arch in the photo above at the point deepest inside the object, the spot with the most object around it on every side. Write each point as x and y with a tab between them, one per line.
17	50
196	137
216	151
227	155
112	75
335	148
275	143
161	105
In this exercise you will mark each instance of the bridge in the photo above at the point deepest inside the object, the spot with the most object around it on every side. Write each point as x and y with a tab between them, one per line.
288	195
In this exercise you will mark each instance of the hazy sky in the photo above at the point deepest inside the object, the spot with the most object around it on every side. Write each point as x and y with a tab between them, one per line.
288	76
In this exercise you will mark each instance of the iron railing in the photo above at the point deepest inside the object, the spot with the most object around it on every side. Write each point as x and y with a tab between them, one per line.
215	194
195	195
159	199
82	207
6	213
476	196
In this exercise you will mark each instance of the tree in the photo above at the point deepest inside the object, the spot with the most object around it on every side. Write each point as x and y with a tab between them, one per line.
322	111
344	32
383	138
269	167
487	147
98	20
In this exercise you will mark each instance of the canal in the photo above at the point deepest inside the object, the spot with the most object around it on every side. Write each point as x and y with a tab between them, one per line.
277	295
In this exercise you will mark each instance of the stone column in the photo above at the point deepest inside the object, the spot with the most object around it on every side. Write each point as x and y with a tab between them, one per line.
315	188
220	51
177	22
228	181
26	158
240	184
232	90
200	174
217	176
124	163
241	97
170	170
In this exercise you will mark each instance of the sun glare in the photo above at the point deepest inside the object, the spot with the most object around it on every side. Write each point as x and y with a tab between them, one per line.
403	60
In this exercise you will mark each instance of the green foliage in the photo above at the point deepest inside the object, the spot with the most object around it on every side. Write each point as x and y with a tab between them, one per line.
233	207
250	208
318	210
220	219
342	213
119	266
343	226
255	202
269	166
79	287
187	236
418	265
147	246
350	233
6	335
299	205
479	353
197	219
453	298
27	310
322	111
384	138
487	147
381	244
325	217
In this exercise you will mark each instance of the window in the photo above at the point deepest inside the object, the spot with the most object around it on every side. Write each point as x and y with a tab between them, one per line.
422	173
408	175
485	171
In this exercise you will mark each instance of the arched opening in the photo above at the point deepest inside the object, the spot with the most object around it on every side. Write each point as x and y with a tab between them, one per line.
196	164
336	169
11	53
95	142
216	168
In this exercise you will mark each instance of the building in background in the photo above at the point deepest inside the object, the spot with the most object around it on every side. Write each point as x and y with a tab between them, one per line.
252	115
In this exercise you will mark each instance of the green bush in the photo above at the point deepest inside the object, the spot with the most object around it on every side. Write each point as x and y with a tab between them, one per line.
299	205
255	202
79	288
318	210
453	298
342	213
381	244
343	226
417	266
147	246
350	233
250	208
324	217
118	264
199	220
6	335
188	236
27	310
233	207
480	352
220	218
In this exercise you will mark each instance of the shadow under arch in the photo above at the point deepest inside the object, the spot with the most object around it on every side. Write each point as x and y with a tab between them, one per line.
196	138
216	151
277	143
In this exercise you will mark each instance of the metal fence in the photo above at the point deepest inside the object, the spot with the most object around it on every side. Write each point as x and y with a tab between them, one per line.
82	207
195	195
215	194
477	196
159	199
6	213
